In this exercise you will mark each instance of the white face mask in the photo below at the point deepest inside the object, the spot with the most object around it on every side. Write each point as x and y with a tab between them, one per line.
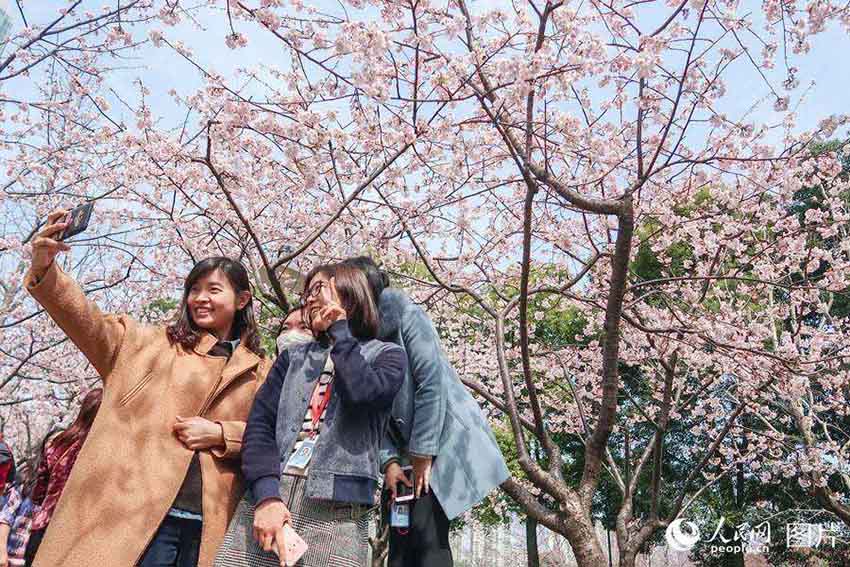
291	338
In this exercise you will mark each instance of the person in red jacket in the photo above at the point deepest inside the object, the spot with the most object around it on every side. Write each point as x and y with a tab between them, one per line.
55	467
7	466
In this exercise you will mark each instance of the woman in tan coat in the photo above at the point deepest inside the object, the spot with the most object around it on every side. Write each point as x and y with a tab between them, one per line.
157	479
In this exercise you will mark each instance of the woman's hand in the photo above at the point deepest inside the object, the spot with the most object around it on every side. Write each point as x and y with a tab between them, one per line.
45	246
4	544
331	312
197	433
269	518
421	474
392	476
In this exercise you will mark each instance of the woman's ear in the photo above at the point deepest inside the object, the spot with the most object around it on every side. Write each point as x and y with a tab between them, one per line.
242	299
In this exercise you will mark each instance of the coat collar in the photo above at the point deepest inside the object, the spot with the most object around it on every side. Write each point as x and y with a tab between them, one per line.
242	360
206	343
391	306
316	354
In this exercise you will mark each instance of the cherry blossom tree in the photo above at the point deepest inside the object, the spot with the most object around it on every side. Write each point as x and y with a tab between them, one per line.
509	163
58	146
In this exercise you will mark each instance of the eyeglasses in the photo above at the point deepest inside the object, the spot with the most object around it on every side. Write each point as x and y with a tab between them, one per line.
312	293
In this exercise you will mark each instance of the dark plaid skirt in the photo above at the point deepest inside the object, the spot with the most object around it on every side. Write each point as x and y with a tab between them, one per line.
337	534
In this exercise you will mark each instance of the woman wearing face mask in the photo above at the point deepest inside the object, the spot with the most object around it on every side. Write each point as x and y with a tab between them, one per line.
157	479
295	331
321	424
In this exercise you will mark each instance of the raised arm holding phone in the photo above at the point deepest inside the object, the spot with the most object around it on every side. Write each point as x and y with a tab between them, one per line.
161	460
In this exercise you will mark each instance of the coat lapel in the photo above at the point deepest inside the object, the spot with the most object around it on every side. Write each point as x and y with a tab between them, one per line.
240	362
205	344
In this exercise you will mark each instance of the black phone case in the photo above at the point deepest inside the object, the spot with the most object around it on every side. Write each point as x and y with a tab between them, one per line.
78	220
402	490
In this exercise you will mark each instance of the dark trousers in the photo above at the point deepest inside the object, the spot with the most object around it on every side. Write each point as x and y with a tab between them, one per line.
32	546
426	542
176	543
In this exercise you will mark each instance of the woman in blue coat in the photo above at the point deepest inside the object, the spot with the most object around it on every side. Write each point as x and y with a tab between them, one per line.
436	426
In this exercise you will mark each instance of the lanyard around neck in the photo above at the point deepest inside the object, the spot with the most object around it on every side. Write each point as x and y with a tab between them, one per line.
318	404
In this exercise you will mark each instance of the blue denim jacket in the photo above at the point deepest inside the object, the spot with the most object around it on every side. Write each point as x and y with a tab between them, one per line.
345	462
434	414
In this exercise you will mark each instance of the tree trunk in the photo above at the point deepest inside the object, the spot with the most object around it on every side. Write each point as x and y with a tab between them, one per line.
380	544
531	542
732	559
582	538
737	559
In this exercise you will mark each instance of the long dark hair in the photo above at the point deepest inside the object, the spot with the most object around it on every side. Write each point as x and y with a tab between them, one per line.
187	334
26	481
355	296
378	279
80	428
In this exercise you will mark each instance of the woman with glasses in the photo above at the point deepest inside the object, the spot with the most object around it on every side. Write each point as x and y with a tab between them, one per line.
310	451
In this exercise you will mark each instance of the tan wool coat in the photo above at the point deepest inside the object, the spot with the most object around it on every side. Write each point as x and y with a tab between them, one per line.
132	465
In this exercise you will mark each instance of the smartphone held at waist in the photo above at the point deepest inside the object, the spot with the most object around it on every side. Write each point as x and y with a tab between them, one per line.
400	506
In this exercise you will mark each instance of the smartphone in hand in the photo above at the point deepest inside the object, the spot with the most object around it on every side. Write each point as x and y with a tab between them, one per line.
295	546
78	220
404	493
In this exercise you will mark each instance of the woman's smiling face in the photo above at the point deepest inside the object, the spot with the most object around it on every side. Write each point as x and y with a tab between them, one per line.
213	303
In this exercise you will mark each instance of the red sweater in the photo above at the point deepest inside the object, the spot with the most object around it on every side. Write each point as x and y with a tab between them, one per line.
53	473
5	469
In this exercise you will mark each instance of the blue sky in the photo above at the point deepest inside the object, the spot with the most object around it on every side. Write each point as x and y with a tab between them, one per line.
824	72
826	66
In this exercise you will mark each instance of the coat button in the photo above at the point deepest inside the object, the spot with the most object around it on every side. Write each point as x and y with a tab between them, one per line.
292	429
